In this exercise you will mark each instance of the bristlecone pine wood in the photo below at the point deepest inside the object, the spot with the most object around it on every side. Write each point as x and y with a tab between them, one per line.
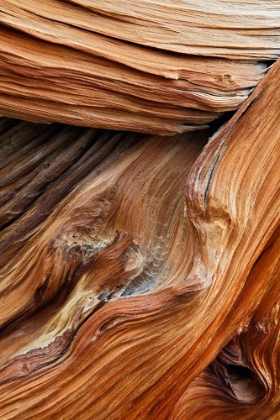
140	273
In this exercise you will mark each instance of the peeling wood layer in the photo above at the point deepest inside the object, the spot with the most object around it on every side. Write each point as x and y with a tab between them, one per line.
159	68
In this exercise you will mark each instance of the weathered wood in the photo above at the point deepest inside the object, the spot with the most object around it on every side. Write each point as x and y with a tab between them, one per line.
154	67
139	273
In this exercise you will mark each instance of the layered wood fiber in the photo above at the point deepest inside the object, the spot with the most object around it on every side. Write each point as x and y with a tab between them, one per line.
159	67
140	274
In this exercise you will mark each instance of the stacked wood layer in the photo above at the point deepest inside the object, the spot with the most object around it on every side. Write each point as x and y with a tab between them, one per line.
149	66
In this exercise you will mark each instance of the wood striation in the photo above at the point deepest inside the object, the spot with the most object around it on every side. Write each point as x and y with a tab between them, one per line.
139	274
156	68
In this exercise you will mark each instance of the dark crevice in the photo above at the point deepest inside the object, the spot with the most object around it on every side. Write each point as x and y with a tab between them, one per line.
215	125
210	178
237	373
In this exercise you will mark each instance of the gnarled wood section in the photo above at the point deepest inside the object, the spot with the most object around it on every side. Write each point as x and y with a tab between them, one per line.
152	67
243	381
76	262
107	306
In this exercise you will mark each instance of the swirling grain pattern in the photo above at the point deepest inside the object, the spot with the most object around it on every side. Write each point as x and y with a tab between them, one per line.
140	274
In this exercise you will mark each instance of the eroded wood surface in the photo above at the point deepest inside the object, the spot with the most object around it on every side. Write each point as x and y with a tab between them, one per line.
140	274
153	67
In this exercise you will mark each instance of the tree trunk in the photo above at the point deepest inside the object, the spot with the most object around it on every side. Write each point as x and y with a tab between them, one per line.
139	272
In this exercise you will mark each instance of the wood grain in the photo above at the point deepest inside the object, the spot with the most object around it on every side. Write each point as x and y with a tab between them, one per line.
139	274
155	67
